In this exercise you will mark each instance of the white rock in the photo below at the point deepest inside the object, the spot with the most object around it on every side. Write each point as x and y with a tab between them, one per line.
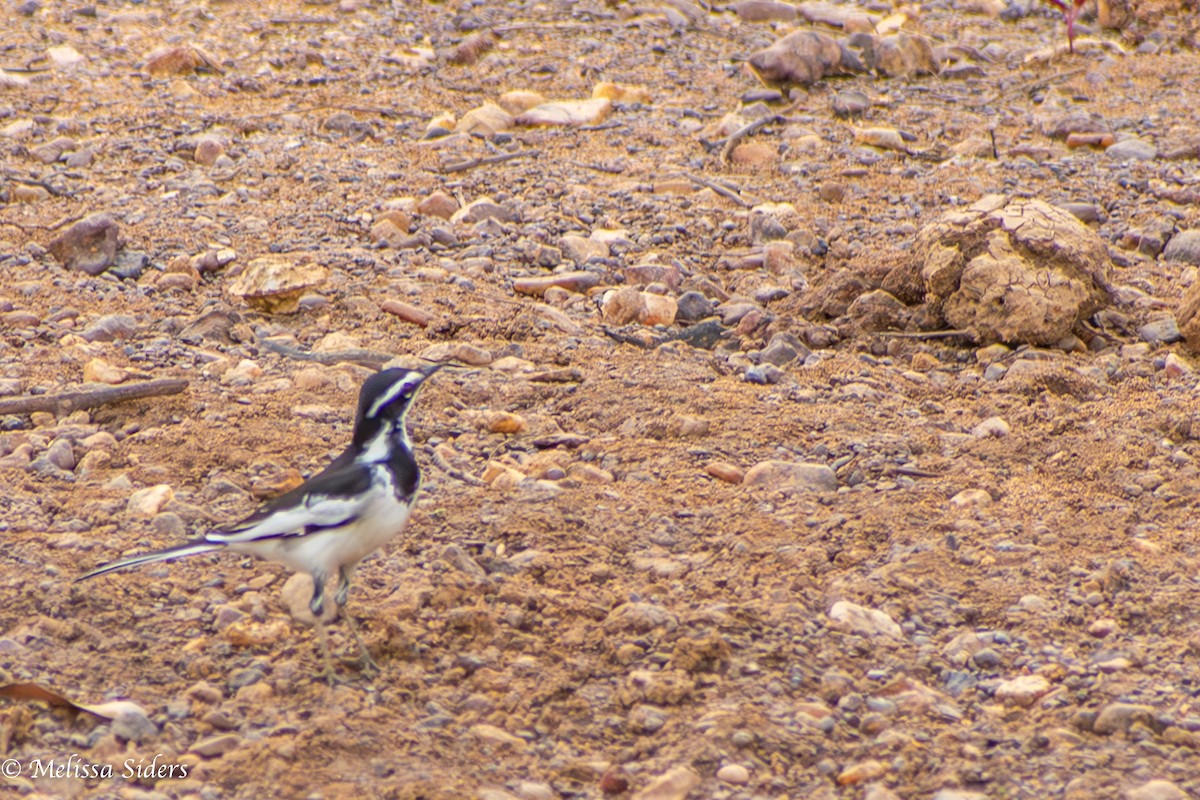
567	112
145	503
64	55
971	497
991	427
674	784
863	621
497	737
1156	790
791	476
734	773
1023	690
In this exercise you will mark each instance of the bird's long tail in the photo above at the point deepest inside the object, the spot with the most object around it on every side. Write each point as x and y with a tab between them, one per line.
179	551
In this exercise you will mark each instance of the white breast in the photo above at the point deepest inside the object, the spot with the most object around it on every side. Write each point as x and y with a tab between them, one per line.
326	551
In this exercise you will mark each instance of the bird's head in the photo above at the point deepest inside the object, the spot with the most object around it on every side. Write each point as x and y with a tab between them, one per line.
387	396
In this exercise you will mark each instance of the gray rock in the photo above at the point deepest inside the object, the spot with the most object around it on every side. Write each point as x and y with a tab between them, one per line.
111	327
1156	790
1120	716
89	245
1161	329
693	307
640	618
1132	150
217	745
769	294
168	525
878	310
764	374
130	264
1084	212
765	11
133	726
61	455
1184	246
765	228
851	103
791	475
581	249
778	353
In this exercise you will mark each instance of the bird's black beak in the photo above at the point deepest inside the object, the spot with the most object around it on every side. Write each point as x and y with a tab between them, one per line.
429	370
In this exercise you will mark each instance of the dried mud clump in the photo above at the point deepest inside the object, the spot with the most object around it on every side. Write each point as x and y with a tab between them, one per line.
1007	270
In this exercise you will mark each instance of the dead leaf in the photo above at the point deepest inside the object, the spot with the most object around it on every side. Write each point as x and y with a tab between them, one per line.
40	694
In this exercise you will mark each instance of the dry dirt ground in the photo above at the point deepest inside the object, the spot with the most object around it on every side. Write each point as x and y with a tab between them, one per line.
602	615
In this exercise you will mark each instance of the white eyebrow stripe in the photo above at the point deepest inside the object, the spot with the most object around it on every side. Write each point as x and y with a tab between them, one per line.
394	391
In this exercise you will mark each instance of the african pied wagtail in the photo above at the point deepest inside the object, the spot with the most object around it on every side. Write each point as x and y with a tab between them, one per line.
333	520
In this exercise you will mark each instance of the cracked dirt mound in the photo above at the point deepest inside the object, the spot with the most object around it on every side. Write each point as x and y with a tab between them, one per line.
995	600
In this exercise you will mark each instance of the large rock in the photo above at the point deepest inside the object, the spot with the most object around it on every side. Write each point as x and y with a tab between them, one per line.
1187	315
803	57
275	283
89	245
791	476
1007	269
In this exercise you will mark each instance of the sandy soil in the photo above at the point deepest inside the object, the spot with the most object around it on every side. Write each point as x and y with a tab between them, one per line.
601	616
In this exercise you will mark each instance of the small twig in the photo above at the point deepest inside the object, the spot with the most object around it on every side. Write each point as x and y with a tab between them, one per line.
603	126
452	471
719	189
543	26
367	358
914	472
67	402
746	130
924	334
462	166
53	226
1028	86
380	110
611	170
302	20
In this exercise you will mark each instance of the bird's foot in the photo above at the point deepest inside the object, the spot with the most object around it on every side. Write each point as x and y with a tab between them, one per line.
366	663
330	676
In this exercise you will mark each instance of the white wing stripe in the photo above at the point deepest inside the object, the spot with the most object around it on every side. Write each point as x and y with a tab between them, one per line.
321	510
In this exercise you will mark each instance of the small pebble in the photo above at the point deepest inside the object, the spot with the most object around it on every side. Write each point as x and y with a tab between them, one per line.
734	773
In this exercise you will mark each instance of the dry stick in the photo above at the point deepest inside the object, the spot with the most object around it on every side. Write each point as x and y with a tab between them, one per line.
380	110
743	132
719	189
543	26
53	226
367	358
302	20
67	402
452	471
461	166
611	170
1028	86
924	334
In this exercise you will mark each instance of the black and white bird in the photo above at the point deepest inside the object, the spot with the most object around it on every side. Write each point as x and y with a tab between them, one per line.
325	526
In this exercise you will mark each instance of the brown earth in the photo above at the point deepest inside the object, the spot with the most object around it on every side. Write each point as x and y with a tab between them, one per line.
610	614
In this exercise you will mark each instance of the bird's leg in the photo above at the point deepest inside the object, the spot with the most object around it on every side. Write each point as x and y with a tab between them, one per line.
328	674
365	662
316	606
